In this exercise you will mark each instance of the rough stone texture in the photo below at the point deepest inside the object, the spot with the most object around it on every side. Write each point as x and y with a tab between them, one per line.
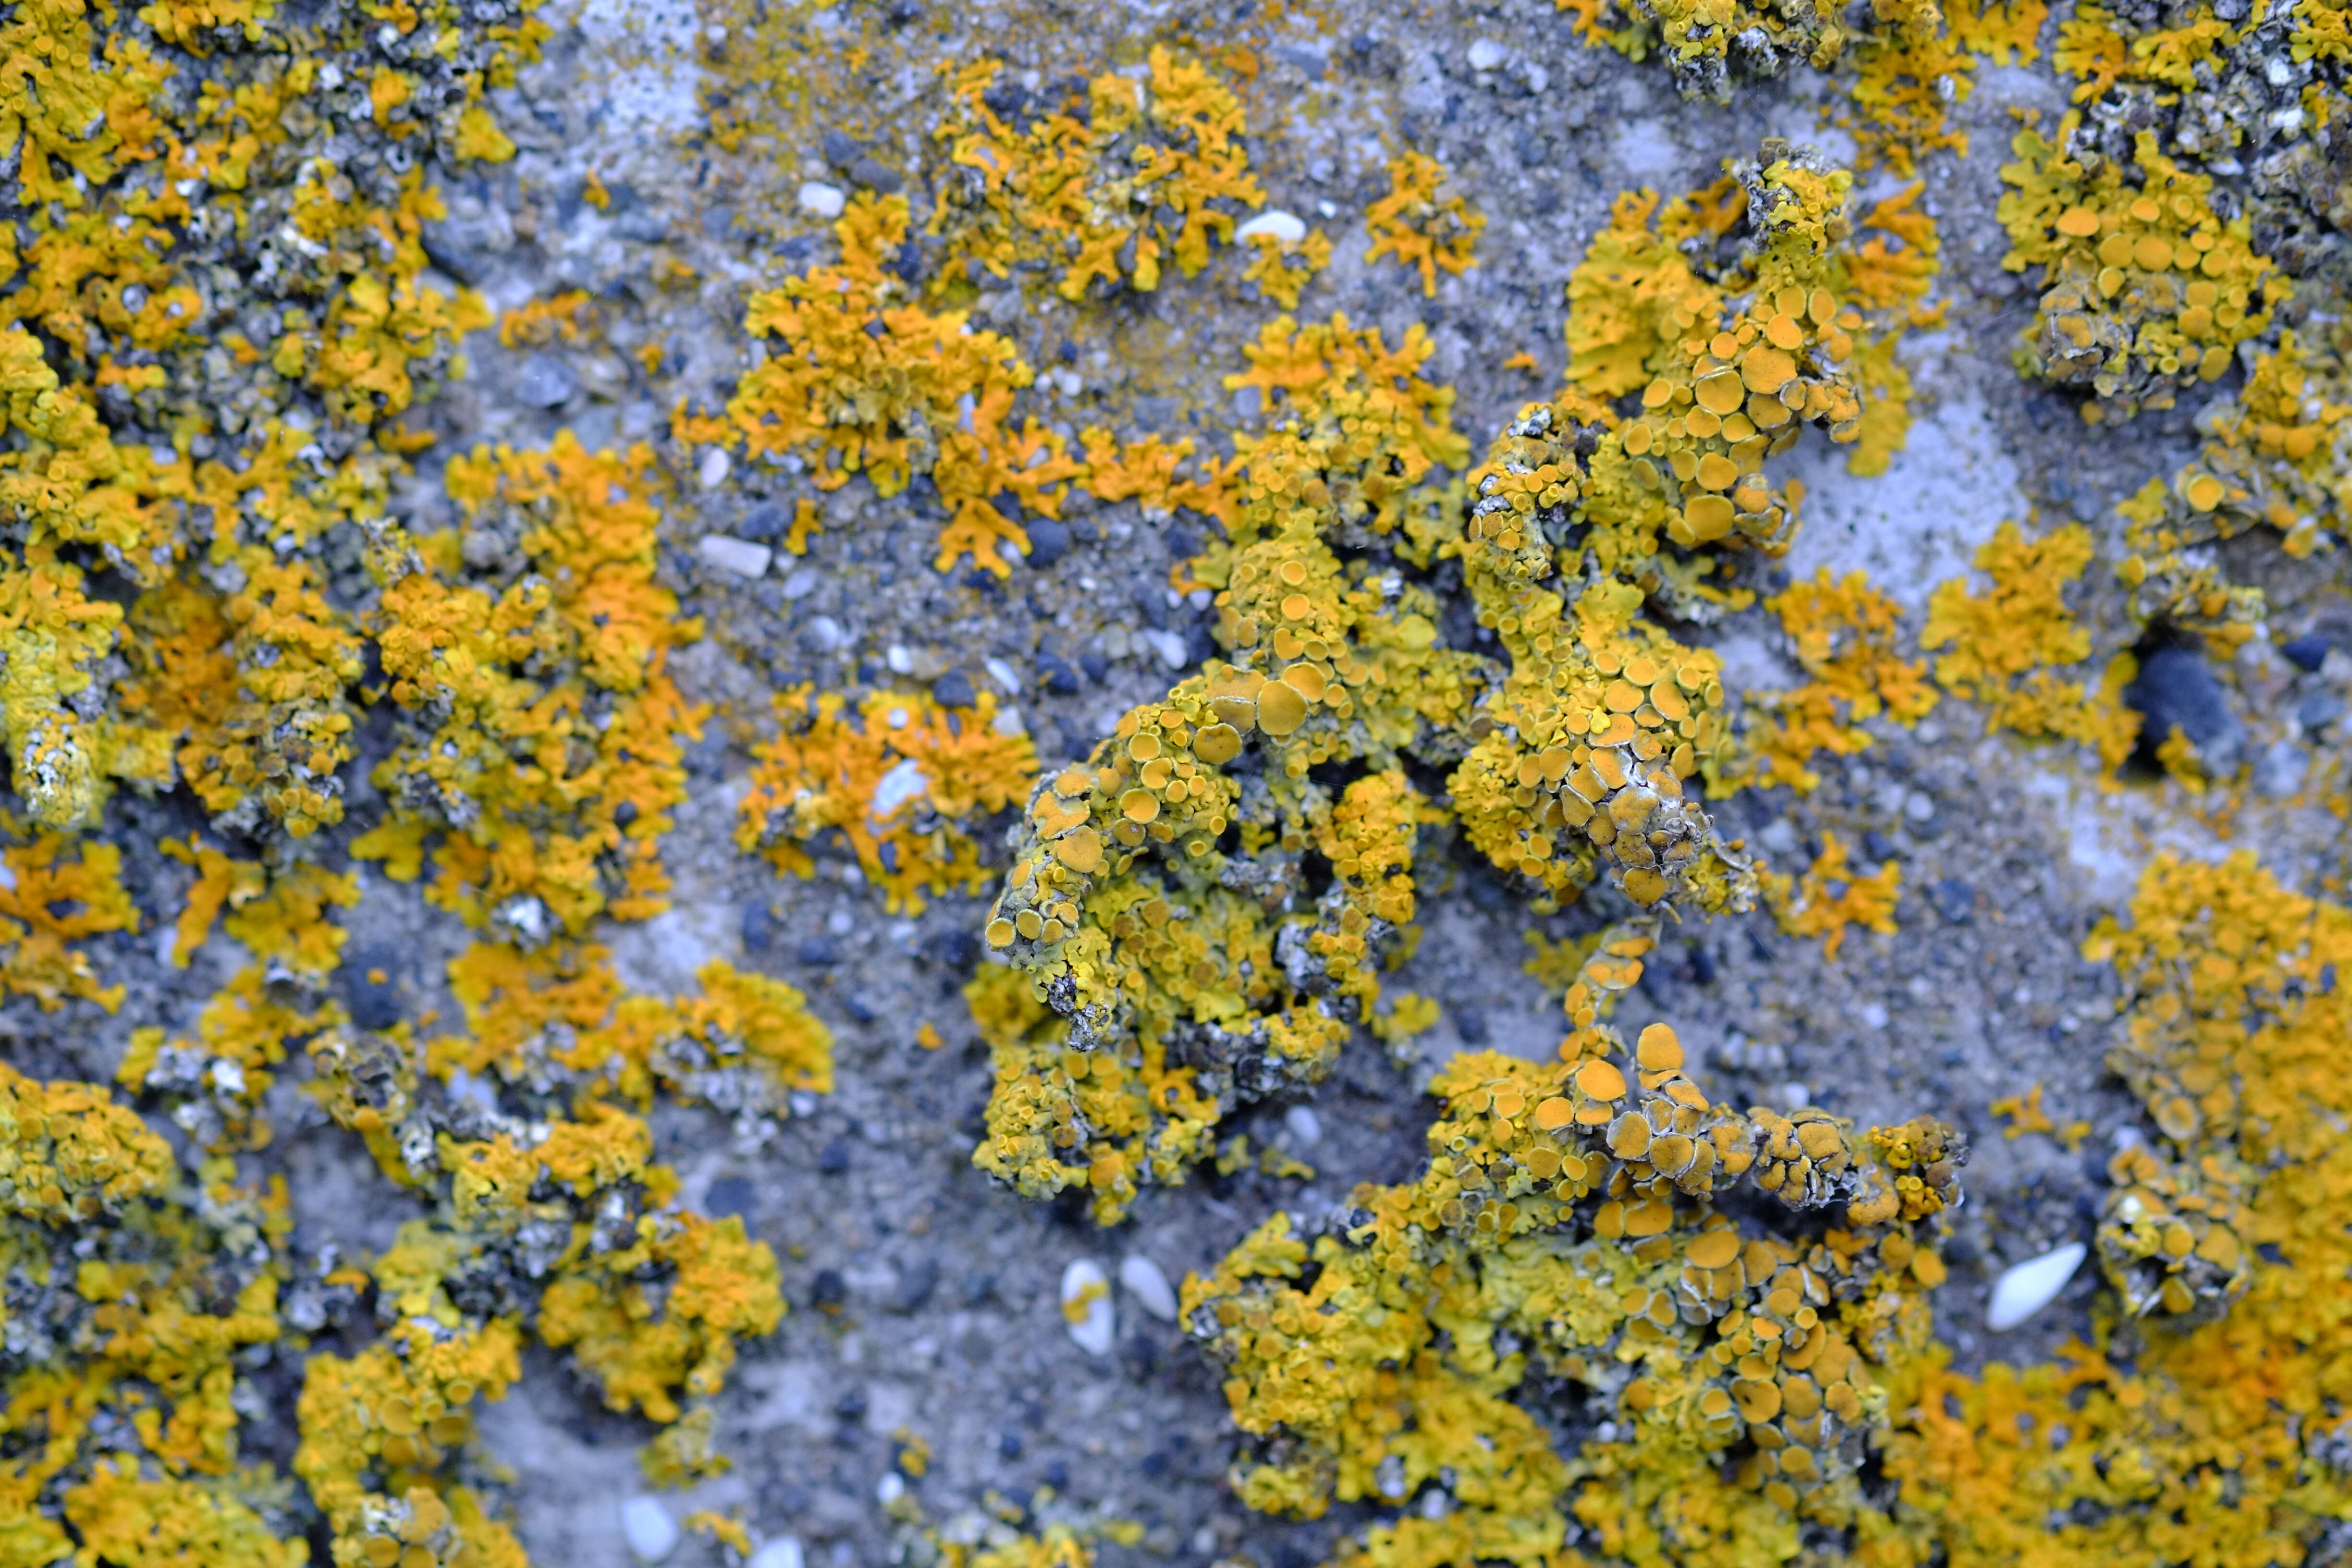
925	1298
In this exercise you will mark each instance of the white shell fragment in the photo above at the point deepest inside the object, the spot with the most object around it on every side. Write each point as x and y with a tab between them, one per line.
783	1551
2028	1287
1085	1306
902	784
1149	1286
711	471
1486	54
648	1526
1288	227
739	556
1305	1127
822	200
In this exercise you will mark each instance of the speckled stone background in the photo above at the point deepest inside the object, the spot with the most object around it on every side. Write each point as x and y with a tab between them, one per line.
925	1297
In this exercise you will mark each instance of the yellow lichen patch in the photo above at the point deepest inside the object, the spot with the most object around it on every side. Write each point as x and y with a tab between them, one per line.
541	732
1603	716
1831	896
1155	902
2004	31
1166	894
646	1349
536	323
215	1082
902	779
2276	454
133	1308
2215	1432
568	1209
686	1452
1282	270
68	1151
1894	266
741	1046
1908	73
2022	1113
1113	183
2007	642
222	882
1424	232
2145	289
1000	1546
1896	61
727	1530
864	379
177	201
139	1522
1844	637
1566	1224
1724	389
48	902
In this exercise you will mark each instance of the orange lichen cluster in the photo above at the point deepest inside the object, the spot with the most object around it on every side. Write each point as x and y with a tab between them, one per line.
560	1018
131	1314
1145	924
2210	1430
863	378
1844	636
1906	69
48	902
1422	231
1566	1225
900	778
1110	181
2277	454
2145	289
2008	643
150	437
1161	937
541	735
553	1220
1831	896
1282	269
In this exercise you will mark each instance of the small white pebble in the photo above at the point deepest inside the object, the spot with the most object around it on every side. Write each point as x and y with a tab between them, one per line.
889	1490
1097	1327
650	1531
1008	723
1288	227
1305	1126
2026	1287
1486	55
1873	1015
822	200
739	556
902	784
900	661
1169	647
1002	673
1794	1095
712	470
783	1551
1149	1286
